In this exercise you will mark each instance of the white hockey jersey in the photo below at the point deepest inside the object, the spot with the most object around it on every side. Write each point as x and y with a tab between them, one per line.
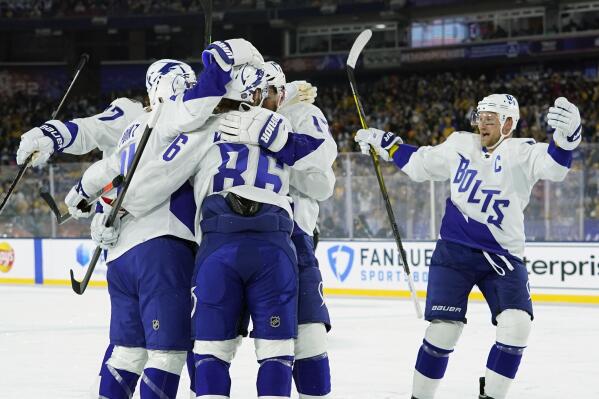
175	213
219	167
82	135
489	192
316	181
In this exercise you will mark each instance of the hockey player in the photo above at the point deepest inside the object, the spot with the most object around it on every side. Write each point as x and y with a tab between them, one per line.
150	265
482	234
246	256
311	371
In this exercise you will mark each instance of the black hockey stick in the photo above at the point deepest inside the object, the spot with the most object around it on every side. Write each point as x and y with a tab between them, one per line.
80	286
82	61
354	53
84	205
207	7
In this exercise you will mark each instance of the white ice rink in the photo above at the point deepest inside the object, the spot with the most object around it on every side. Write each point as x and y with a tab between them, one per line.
51	343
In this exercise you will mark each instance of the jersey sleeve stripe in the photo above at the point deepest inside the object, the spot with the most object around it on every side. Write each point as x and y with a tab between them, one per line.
403	154
559	155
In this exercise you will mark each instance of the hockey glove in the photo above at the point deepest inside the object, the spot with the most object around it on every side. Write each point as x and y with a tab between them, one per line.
105	237
299	91
381	141
258	126
564	117
232	52
74	198
34	141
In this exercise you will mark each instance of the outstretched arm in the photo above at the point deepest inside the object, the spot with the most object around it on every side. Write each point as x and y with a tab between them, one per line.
419	163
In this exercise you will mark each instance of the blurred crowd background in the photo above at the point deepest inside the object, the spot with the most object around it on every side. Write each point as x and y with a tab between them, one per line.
423	108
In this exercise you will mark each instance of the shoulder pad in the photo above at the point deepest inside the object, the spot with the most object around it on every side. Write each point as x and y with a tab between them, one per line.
523	140
128	104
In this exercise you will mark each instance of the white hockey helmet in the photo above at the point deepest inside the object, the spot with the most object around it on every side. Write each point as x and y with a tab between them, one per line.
166	66
246	80
274	74
504	105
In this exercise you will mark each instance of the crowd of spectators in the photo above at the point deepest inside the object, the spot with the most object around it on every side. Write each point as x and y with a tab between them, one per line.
422	108
74	8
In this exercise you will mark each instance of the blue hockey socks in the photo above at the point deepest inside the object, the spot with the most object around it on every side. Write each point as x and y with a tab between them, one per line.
274	376
432	361
116	383
211	376
312	375
504	359
158	384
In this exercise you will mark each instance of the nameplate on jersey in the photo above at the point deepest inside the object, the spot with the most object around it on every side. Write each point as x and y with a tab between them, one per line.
129	133
488	200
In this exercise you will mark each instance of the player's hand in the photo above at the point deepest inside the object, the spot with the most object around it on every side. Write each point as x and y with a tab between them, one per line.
105	237
74	201
256	126
232	52
34	142
381	141
564	117
299	91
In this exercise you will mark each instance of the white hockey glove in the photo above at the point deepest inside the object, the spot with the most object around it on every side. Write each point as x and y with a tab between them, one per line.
381	141
564	117
34	141
299	91
105	237
258	126
232	52
74	198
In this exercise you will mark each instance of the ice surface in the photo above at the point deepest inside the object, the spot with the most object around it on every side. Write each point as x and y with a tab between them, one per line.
51	343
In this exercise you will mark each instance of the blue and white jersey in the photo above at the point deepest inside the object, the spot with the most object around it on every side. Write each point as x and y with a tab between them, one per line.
102	131
218	167
174	214
489	192
312	179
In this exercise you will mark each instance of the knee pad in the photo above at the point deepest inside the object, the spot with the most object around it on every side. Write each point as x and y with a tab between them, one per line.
169	361
223	350
311	340
444	334
132	360
513	327
269	348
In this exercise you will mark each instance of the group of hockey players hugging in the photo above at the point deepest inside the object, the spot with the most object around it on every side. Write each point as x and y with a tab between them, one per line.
216	227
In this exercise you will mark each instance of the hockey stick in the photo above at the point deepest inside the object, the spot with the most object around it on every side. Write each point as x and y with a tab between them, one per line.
354	53
80	286
82	61
207	7
85	206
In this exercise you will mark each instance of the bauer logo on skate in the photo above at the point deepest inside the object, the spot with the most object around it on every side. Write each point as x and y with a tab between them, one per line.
7	257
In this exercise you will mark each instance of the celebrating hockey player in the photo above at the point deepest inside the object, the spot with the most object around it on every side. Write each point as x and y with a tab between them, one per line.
150	265
482	234
246	257
311	371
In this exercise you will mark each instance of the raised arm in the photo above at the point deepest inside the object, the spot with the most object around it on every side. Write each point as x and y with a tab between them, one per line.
419	163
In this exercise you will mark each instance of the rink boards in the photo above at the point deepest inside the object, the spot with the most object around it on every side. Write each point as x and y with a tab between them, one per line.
559	271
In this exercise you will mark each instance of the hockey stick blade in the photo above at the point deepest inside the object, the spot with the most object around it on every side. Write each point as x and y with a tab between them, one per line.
86	207
47	197
80	286
356	49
